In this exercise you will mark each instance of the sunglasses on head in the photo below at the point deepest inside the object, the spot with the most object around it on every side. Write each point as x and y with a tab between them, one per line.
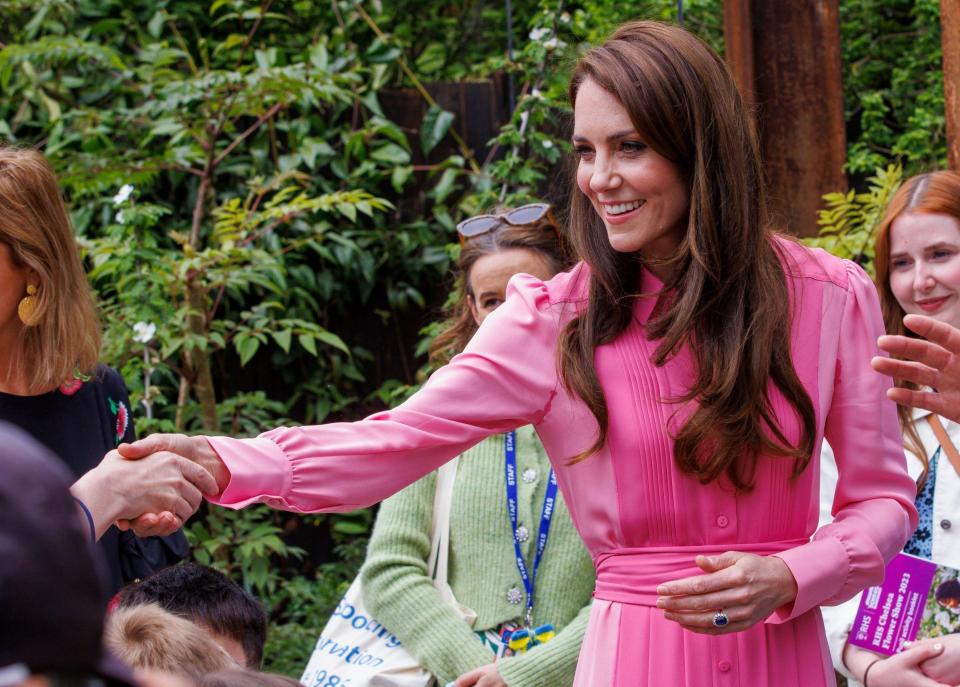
481	224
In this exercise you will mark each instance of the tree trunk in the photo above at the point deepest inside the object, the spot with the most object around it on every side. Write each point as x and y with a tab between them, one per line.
201	378
786	59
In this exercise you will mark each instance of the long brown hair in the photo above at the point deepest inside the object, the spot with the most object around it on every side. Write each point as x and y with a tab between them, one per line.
35	226
936	192
542	237
727	287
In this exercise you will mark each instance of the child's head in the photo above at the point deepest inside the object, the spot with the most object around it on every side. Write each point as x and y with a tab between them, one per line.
148	637
209	598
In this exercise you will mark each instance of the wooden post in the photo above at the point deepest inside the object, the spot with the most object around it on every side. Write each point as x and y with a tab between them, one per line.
950	40
792	51
738	38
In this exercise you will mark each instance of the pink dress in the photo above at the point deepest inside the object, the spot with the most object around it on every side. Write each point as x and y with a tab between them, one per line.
642	520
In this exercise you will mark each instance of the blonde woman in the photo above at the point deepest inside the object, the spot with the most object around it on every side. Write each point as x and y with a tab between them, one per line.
51	384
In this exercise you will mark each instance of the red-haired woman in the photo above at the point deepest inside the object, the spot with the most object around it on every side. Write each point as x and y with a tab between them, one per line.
918	272
681	378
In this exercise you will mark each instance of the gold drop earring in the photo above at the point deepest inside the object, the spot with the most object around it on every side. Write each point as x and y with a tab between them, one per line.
26	310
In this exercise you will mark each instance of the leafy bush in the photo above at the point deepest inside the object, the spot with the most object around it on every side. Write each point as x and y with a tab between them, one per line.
893	84
848	224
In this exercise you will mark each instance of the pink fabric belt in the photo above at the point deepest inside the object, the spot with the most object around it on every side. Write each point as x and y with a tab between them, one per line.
631	576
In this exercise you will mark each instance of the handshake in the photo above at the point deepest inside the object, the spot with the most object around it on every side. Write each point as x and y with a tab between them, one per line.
151	486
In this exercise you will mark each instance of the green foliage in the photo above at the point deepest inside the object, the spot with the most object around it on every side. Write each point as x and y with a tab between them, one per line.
893	84
849	223
242	544
288	239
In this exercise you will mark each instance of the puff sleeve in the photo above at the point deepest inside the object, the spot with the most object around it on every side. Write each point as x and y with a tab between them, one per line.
506	377
873	511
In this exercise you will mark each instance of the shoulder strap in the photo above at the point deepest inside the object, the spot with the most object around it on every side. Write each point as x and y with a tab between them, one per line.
440	529
945	443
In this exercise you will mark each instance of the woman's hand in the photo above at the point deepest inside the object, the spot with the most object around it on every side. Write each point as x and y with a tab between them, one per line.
932	361
944	666
485	676
905	669
163	484
747	587
194	449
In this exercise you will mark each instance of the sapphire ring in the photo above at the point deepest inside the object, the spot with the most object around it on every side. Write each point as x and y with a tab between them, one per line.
720	618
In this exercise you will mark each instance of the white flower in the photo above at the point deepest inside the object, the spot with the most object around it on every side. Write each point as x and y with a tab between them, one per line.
119	217
535	93
143	332
554	43
123	194
540	33
564	17
547	144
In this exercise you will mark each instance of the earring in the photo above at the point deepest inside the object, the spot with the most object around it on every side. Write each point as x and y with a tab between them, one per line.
28	306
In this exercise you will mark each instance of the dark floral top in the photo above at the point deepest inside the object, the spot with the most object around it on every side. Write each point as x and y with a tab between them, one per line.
921	542
80	422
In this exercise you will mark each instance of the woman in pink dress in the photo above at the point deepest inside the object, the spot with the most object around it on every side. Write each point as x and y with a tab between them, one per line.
680	378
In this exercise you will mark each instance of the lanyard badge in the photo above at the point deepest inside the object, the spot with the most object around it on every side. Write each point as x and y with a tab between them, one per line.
524	638
528	635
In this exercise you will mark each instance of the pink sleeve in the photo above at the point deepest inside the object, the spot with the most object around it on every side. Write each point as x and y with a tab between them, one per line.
873	507
505	378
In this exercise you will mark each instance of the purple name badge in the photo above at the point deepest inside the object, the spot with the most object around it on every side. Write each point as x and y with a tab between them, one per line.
917	599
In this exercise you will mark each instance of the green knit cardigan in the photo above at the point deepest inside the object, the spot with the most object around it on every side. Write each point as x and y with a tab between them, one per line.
482	569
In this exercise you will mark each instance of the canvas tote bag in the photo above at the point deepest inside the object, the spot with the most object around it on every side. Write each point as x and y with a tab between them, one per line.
354	649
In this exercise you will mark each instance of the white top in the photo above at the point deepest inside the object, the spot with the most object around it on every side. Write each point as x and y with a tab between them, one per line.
837	620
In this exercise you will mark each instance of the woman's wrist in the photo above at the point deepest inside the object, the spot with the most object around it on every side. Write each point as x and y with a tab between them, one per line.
97	506
206	457
866	671
857	661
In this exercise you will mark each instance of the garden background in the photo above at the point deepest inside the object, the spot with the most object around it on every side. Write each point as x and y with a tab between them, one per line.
266	192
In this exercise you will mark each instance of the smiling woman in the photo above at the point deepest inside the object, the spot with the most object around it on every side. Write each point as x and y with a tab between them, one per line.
925	265
918	272
680	378
641	196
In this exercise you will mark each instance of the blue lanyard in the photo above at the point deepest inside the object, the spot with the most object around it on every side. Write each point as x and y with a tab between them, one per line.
549	499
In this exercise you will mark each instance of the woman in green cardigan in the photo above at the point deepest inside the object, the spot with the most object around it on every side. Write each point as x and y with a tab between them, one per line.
485	572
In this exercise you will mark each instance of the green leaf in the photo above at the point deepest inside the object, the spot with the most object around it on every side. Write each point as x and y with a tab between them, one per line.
436	124
379	52
283	339
247	347
445	185
217	5
372	103
308	342
319	57
332	339
53	107
391	153
400	176
155	25
432	58
348	211
350	527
